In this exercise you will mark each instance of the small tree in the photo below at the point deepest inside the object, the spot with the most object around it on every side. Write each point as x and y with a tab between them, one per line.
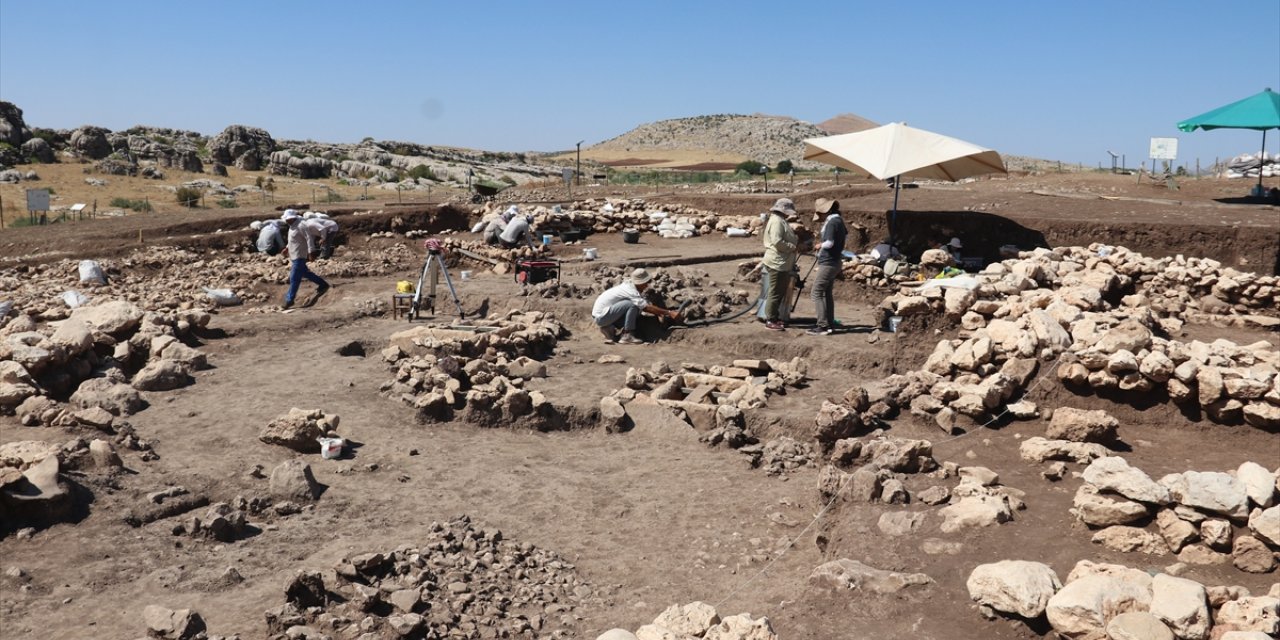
784	166
750	167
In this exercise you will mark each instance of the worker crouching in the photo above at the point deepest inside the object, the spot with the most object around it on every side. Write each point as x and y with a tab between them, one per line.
620	307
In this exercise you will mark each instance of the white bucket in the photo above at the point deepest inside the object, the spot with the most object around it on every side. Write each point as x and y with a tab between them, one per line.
331	448
466	275
590	254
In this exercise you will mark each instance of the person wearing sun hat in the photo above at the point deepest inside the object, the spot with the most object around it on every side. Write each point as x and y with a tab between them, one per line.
622	304
780	244
830	258
299	247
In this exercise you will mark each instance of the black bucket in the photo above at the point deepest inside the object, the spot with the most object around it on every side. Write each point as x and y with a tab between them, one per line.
630	236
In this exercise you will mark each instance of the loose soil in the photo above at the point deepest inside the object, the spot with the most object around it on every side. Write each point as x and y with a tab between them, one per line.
649	518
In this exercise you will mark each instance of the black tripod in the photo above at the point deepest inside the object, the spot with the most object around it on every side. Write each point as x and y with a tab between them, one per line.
431	274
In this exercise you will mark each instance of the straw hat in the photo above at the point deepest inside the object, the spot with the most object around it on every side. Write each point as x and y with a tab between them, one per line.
824	205
641	276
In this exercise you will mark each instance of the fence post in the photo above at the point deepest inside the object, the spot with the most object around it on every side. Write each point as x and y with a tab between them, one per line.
1	212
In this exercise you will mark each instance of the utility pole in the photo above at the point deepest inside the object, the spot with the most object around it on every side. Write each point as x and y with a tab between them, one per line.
579	169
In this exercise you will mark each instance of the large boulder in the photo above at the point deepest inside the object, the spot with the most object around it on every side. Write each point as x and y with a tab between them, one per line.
975	511
161	375
1014	586
299	429
13	130
693	619
247	148
167	624
1113	473
120	399
1079	425
742	627
91	142
115	317
293	480
1137	625
1086	605
1210	491
38	150
1181	604
40	497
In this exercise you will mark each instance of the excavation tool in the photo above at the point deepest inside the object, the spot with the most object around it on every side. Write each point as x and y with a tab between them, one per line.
800	285
535	271
430	277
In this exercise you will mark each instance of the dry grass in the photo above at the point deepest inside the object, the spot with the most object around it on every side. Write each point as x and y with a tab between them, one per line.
68	183
659	158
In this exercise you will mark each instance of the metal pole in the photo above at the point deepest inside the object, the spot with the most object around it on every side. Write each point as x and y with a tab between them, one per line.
578	175
893	217
1	212
1262	160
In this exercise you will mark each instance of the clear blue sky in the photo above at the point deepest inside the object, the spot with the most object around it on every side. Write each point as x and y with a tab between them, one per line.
1058	80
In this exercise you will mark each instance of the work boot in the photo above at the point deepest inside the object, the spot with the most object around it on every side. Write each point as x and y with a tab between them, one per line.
627	338
287	304
322	289
775	325
819	331
610	334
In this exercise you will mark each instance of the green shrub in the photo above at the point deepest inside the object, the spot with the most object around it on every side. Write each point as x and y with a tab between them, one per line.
228	203
188	196
784	166
750	167
508	179
422	171
135	205
333	196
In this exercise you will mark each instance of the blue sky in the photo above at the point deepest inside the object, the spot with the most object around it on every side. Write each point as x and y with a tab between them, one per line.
1058	80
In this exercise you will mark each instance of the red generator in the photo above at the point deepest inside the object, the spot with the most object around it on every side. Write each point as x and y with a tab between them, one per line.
535	271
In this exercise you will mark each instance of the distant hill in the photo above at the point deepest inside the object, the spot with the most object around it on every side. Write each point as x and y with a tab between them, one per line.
846	123
726	138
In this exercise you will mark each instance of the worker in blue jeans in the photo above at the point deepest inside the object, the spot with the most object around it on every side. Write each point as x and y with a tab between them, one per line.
300	247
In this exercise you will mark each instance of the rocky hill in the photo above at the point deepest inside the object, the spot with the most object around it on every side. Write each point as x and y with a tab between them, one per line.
846	123
764	138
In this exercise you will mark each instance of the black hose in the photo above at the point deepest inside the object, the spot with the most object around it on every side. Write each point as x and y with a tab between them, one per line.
692	324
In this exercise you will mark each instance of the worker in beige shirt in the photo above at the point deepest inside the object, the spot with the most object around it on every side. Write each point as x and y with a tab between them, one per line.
780	244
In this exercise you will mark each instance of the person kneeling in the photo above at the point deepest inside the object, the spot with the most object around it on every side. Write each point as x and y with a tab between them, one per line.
621	306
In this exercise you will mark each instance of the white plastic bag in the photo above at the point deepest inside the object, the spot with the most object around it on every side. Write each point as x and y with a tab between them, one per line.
331	448
91	273
736	232
74	298
223	297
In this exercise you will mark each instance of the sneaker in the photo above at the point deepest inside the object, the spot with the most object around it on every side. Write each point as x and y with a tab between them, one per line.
322	289
610	334
775	325
287	304
819	331
629	339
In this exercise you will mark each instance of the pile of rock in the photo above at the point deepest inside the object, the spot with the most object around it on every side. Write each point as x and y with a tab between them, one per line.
881	465
711	398
697	620
1229	383
1114	601
1203	517
479	373
612	215
100	355
496	257
460	581
1115	350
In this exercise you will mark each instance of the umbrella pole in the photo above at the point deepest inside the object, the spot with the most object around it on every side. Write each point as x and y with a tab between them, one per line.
1262	159
893	216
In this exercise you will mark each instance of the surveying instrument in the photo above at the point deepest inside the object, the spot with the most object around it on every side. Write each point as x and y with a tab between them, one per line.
430	277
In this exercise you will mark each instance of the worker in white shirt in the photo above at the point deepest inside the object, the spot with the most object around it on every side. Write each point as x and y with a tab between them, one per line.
299	247
270	236
324	232
517	232
493	230
621	306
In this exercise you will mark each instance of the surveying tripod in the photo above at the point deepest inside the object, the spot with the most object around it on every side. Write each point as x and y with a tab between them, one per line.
431	271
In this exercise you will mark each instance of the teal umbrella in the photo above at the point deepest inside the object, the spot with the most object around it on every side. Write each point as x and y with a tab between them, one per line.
1258	112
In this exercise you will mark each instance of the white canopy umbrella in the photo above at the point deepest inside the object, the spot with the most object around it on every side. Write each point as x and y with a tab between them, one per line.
895	150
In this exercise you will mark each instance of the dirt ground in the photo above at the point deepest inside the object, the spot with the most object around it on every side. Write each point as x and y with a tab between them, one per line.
649	518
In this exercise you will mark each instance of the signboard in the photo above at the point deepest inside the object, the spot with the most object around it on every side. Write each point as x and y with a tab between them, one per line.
568	176
37	199
1164	148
